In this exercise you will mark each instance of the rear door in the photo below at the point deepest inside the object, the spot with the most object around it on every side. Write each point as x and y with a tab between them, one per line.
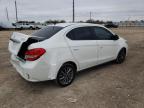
83	46
107	47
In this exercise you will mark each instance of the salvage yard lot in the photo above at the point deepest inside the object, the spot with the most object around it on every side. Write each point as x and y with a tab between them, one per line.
106	86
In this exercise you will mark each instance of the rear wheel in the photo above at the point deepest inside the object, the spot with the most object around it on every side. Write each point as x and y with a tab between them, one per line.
66	75
21	28
31	28
121	56
37	28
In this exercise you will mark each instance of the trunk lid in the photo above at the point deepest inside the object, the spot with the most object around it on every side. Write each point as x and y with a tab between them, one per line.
16	41
19	43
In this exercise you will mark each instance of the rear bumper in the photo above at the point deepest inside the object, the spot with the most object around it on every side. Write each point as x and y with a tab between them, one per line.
23	73
33	71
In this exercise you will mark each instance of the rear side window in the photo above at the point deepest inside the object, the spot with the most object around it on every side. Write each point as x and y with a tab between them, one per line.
81	33
102	33
47	32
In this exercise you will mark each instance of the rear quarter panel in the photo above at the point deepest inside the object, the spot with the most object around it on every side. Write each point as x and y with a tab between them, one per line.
57	53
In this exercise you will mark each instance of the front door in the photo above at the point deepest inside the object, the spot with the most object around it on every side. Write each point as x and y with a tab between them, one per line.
107	47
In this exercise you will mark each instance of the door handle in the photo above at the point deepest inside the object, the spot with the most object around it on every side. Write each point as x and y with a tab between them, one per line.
75	49
101	46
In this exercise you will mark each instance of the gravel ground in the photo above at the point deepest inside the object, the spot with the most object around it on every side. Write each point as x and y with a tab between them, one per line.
106	86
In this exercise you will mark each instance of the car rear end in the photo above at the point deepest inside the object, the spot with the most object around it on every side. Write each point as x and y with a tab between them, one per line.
29	56
28	62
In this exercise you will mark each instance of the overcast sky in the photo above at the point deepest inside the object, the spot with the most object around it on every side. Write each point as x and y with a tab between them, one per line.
41	10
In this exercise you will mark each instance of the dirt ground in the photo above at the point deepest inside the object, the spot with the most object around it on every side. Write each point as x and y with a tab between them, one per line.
106	86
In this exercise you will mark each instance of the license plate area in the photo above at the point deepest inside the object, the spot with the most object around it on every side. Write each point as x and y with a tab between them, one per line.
20	59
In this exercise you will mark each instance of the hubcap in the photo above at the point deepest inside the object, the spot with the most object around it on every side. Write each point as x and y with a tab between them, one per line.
66	75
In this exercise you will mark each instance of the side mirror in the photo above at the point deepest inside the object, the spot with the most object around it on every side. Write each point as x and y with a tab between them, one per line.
115	37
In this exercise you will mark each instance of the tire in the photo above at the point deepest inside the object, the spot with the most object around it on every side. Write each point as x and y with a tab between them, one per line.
31	28
121	56
37	28
21	28
66	75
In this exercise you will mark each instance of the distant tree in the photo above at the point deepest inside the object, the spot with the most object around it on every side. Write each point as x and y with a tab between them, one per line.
80	21
54	21
90	21
62	21
99	22
95	21
142	21
26	22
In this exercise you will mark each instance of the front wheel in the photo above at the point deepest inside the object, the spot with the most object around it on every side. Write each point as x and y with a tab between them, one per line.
66	75
121	56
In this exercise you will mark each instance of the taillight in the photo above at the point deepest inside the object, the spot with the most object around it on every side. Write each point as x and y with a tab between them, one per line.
34	54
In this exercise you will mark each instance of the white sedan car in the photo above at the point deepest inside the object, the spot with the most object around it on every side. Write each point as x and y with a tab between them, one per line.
58	52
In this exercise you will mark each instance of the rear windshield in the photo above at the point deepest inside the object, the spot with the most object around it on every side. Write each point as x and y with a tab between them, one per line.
47	32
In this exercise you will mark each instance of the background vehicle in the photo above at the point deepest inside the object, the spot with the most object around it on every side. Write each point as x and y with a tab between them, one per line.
27	25
111	25
1	28
59	51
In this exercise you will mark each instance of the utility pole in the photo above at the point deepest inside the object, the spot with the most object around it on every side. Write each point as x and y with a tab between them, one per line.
16	11
7	14
90	15
73	11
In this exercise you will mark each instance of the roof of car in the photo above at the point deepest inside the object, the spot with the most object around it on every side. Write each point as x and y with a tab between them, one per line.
76	24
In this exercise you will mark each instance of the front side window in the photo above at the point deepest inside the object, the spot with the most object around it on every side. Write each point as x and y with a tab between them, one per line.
81	33
102	33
